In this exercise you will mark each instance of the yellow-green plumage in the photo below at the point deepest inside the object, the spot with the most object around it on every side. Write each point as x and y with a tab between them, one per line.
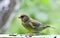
31	25
28	27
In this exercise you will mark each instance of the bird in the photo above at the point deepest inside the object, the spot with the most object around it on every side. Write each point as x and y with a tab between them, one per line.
33	26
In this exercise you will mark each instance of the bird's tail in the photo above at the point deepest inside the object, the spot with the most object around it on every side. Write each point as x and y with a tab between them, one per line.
50	27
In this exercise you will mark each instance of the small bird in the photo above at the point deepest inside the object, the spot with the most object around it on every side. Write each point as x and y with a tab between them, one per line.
32	25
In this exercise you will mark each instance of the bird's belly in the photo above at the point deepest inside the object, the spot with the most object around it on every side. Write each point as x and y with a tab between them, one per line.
30	29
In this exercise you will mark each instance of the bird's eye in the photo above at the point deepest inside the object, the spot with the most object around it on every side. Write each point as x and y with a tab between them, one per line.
22	16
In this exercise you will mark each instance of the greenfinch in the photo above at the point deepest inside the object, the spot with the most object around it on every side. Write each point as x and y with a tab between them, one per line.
32	25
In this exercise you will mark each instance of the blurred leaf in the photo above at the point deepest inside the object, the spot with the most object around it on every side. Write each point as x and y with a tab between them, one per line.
45	2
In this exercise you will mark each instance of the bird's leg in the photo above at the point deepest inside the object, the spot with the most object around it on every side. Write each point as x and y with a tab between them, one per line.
36	33
29	35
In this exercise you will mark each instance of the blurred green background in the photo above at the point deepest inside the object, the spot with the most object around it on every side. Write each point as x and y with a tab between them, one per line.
45	11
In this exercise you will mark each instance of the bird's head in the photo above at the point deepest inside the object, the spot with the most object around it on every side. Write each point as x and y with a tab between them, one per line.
24	17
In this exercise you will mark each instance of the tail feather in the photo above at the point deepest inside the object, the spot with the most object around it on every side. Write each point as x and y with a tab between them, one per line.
50	27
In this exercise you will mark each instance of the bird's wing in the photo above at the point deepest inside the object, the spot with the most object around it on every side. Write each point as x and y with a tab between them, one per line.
31	25
35	23
38	24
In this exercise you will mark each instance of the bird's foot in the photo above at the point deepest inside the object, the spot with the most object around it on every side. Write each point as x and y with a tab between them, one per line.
29	35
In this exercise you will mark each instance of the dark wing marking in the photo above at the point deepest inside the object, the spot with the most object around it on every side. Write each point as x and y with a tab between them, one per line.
35	23
38	26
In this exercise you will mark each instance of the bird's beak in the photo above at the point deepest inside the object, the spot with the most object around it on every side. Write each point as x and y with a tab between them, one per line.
19	17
